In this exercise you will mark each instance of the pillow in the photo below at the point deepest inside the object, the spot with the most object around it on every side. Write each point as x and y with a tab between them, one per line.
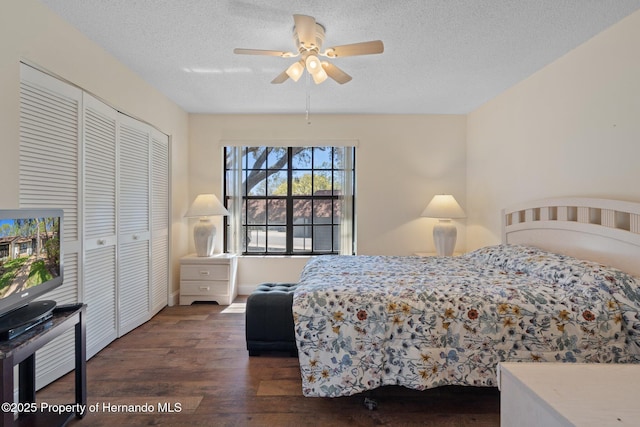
516	258
557	268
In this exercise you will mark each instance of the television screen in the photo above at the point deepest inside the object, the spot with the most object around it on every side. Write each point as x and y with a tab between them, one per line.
30	255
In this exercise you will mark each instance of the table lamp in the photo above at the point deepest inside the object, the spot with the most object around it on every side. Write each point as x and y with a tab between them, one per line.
445	208
204	232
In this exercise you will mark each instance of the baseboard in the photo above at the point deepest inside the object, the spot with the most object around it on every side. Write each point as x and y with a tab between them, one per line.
174	298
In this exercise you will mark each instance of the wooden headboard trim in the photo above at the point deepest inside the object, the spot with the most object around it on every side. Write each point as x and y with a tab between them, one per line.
612	214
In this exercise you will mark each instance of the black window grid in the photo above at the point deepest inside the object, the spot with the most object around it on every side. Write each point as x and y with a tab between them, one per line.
291	228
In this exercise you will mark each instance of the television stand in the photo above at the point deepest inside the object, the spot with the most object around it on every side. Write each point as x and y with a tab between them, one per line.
21	320
21	351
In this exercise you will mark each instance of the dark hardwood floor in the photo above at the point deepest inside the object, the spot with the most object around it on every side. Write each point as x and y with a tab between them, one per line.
192	360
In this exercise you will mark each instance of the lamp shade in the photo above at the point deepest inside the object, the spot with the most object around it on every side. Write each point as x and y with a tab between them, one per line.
313	64
206	205
295	70
443	206
319	76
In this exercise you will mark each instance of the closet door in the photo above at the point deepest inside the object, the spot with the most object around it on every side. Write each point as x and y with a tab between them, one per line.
49	167
133	224
159	221
100	235
110	174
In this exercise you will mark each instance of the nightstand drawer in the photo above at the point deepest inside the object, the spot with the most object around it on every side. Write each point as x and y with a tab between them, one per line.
204	272
204	288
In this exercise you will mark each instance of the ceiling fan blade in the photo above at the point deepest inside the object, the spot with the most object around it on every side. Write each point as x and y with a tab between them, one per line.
306	29
281	78
263	52
336	73
363	48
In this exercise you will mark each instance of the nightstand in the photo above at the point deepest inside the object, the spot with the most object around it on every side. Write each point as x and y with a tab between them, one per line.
208	279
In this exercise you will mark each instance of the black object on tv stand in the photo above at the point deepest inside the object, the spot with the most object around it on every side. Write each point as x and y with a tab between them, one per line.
21	320
21	351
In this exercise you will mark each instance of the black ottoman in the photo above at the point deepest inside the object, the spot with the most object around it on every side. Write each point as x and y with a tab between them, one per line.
269	319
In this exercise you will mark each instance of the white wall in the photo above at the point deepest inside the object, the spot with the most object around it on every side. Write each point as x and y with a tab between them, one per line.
401	162
32	33
572	129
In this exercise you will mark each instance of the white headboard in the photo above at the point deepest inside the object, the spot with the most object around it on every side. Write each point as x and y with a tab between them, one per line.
601	230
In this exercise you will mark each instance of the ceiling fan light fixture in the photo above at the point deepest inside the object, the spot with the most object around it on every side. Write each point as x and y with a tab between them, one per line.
295	71
319	75
313	64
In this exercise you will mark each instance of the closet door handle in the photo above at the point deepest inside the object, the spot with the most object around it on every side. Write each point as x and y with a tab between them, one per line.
102	242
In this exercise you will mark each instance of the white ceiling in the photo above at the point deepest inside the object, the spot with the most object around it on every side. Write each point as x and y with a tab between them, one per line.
441	56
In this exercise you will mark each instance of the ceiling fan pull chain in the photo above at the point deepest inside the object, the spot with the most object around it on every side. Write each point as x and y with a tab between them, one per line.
308	98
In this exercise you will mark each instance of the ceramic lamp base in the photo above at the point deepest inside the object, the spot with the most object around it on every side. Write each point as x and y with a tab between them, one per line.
444	237
204	233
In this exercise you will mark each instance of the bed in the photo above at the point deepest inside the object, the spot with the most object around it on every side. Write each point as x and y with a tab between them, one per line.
562	287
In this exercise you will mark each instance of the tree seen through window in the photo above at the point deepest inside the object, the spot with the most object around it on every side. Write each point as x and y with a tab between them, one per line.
291	199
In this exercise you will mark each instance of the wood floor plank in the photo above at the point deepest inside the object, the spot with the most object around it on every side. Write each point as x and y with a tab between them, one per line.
194	358
279	388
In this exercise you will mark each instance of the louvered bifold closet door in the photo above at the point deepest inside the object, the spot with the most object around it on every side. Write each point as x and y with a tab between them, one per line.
159	221
100	236
133	224
49	178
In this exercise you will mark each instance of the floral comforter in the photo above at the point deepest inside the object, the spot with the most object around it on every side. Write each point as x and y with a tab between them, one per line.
366	321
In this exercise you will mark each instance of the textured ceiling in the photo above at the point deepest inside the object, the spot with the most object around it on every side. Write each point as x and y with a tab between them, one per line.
441	56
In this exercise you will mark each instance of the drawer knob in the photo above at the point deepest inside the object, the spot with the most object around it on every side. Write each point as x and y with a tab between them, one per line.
102	242
204	273
205	288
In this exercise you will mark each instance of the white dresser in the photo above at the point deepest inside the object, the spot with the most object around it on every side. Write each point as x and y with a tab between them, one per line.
208	279
569	394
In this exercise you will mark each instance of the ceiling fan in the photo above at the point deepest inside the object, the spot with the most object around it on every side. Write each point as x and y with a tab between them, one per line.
308	37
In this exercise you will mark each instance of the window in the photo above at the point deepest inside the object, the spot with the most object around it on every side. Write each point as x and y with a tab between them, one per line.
289	200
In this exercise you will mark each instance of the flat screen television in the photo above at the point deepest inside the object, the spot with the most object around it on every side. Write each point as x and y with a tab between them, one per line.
30	266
